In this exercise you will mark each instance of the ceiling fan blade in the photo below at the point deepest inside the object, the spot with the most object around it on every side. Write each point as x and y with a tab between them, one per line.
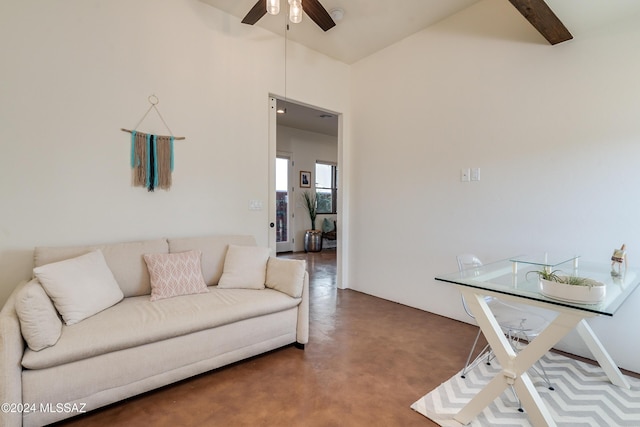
318	14
540	15
257	11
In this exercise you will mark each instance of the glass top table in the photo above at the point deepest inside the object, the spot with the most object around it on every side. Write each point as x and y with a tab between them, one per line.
512	279
503	277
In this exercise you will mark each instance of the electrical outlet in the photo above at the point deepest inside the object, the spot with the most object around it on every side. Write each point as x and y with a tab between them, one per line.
475	174
464	175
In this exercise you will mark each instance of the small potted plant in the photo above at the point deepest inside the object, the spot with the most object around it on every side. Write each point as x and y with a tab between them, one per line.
570	288
312	237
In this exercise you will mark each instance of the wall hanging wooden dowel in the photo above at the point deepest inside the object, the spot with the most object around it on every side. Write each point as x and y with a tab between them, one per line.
176	138
152	155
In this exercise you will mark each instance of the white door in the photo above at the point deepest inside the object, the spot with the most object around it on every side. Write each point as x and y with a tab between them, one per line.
284	241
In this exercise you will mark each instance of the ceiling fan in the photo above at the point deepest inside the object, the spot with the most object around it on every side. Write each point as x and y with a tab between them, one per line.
313	8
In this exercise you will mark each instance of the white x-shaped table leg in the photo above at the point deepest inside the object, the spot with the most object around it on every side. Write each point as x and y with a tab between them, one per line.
514	365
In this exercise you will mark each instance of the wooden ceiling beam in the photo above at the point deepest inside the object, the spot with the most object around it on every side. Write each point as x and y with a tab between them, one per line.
540	15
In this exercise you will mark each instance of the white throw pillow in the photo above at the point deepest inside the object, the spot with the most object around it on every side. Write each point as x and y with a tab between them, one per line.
244	267
80	287
286	275
39	322
175	274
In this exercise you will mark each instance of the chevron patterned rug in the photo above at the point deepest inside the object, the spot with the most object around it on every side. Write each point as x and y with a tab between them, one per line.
583	396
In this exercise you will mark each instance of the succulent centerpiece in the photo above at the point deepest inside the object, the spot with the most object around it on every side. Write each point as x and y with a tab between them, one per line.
570	288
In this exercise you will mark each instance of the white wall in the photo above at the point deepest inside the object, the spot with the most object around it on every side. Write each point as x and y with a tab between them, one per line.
306	148
554	130
75	71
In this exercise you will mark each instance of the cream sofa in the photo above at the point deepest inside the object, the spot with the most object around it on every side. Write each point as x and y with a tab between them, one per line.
137	344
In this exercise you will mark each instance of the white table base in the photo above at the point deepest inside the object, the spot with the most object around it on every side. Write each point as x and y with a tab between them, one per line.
515	365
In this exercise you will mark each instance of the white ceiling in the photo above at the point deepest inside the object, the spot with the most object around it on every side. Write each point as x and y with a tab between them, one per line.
367	26
371	25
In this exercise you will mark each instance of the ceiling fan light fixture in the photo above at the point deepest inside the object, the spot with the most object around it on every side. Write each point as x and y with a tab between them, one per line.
273	7
295	11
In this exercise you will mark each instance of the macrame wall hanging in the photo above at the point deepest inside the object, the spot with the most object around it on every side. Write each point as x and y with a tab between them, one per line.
152	155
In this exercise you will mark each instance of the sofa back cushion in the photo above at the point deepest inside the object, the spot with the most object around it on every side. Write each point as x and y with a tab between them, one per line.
214	250
125	260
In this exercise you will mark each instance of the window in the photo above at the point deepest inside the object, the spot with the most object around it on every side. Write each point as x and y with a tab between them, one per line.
326	187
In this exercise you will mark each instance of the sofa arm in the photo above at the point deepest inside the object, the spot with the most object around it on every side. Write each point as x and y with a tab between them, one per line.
302	333
11	351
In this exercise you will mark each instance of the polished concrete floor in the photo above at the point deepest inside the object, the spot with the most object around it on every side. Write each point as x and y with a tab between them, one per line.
367	361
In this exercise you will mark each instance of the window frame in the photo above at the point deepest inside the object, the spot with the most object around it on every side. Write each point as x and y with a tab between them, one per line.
333	188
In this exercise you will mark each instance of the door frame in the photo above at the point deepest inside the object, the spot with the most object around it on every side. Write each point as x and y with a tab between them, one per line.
342	250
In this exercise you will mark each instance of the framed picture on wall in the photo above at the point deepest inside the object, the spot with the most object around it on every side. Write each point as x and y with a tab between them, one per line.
305	179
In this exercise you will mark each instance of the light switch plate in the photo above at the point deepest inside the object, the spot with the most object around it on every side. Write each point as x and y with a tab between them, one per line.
255	205
475	174
464	175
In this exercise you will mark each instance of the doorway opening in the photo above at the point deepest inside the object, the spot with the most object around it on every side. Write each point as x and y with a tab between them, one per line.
307	136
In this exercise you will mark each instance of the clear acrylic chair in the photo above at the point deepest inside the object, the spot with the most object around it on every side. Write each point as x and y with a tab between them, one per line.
519	324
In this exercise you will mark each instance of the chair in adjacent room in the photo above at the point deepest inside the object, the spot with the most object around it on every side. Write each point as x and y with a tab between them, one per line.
519	324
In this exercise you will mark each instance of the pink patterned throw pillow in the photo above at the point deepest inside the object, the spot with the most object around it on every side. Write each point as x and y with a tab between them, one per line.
175	274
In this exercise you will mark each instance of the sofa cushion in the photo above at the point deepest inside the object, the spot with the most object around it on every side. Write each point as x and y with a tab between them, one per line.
213	248
124	260
39	321
79	287
244	267
137	321
175	274
286	275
